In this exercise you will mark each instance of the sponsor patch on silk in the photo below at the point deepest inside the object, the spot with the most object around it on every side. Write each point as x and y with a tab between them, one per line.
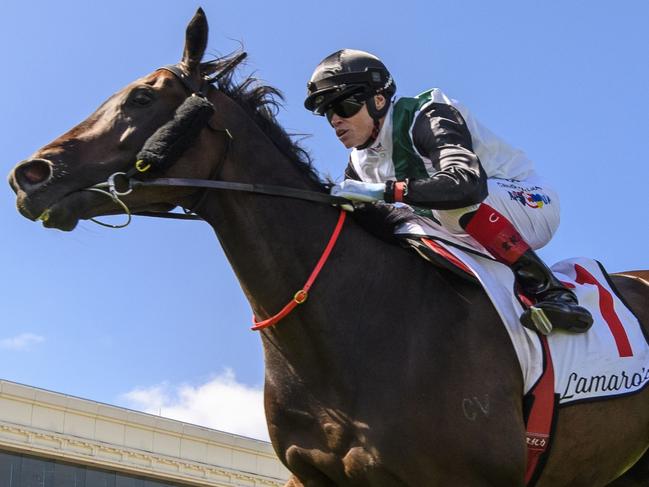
531	196
533	200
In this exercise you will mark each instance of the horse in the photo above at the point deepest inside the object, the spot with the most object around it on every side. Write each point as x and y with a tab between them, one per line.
393	372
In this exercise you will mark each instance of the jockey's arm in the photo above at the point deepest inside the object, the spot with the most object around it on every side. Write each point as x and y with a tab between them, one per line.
440	133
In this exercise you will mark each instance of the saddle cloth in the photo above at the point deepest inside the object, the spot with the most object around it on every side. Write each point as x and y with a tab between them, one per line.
611	359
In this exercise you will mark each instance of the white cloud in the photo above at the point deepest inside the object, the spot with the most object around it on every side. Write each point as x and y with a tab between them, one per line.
222	403
21	342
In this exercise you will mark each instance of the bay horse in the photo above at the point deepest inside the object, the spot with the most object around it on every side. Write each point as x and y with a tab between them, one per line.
393	372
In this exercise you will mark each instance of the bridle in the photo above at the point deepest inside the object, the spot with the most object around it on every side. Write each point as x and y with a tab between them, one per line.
121	184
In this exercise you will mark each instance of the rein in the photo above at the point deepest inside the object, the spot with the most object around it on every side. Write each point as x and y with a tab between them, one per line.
266	189
109	188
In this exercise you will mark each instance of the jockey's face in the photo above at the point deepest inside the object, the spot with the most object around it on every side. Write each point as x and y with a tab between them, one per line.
355	130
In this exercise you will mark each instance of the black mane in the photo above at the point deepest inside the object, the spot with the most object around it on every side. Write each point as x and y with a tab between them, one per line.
262	102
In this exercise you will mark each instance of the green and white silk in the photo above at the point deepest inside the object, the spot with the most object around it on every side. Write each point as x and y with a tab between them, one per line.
393	155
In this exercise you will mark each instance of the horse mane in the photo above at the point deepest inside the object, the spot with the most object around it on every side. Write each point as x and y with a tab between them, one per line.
262	102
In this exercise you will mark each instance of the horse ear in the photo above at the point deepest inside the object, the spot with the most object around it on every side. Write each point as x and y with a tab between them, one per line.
195	41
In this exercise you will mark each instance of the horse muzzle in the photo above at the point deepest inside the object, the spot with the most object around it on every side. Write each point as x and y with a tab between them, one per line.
27	180
30	175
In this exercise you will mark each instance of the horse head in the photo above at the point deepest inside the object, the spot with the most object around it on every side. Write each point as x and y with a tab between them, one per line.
52	184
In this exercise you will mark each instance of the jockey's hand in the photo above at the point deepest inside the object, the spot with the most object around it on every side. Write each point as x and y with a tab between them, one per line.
359	191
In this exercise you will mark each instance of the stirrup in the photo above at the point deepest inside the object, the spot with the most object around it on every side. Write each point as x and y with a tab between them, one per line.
540	320
546	317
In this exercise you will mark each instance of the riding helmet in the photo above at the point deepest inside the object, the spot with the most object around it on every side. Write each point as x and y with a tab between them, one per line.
346	73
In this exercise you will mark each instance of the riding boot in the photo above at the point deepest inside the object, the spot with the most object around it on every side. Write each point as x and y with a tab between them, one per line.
555	306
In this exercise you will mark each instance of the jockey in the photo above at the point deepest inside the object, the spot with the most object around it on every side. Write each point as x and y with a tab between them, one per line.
430	153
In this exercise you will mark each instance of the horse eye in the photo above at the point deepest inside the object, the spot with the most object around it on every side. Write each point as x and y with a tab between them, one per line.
141	98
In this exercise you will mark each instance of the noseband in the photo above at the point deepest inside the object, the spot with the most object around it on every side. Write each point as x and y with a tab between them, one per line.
168	138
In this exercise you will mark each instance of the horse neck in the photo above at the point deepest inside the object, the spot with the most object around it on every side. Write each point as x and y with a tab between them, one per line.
271	242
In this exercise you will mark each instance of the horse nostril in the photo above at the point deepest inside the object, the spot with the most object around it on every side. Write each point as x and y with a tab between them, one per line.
33	172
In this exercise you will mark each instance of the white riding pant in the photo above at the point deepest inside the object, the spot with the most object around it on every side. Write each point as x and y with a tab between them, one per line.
529	205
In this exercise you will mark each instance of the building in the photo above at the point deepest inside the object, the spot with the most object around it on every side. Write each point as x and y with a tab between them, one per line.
49	439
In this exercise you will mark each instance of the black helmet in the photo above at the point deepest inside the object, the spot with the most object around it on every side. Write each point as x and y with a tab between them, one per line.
346	73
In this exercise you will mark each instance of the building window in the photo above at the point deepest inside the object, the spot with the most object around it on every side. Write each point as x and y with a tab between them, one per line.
17	470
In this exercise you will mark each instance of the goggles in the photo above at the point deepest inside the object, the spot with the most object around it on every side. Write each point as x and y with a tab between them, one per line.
345	108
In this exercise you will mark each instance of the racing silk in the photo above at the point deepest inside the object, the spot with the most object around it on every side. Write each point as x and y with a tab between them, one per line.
445	153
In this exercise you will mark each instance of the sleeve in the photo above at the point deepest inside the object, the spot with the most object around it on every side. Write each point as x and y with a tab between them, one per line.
440	133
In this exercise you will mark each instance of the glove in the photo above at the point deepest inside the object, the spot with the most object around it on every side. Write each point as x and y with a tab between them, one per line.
359	191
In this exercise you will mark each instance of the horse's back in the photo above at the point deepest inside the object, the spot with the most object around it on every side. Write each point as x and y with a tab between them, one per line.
638	275
634	288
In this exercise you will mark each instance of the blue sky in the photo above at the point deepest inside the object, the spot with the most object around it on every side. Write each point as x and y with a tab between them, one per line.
152	316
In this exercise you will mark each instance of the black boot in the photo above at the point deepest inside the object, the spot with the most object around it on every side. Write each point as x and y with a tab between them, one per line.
556	306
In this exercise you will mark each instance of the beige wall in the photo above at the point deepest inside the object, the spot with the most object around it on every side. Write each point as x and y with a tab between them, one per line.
55	425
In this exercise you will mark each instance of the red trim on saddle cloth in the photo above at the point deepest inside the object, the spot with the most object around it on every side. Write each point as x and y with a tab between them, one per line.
540	420
442	252
607	307
497	234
